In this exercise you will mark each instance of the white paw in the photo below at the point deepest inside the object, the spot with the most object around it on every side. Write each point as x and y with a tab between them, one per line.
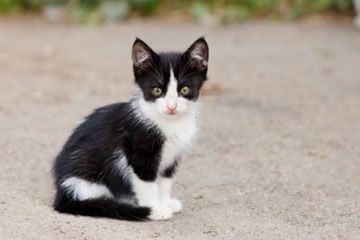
160	213
174	204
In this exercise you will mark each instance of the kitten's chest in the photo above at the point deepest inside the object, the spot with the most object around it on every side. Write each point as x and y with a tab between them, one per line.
178	138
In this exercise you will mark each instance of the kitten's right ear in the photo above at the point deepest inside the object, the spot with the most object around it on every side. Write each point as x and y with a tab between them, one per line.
142	54
198	54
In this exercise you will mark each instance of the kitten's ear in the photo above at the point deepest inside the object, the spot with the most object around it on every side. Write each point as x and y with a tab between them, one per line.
198	54
142	54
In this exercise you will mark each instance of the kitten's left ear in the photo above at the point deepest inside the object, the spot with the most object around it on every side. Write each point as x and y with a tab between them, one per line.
198	54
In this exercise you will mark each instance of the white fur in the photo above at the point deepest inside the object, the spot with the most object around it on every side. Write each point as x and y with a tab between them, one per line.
123	165
82	189
165	185
147	194
171	99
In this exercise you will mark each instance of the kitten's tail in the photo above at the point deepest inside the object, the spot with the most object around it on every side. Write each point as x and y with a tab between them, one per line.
101	207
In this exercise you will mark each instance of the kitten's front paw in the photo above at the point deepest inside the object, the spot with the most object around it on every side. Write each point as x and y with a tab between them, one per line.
161	213
175	205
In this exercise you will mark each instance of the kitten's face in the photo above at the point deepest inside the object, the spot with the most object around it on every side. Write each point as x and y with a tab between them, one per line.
170	82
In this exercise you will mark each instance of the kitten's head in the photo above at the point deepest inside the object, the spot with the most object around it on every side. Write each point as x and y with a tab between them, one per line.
170	82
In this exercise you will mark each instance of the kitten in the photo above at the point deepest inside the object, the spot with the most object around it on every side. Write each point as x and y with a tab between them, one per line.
120	161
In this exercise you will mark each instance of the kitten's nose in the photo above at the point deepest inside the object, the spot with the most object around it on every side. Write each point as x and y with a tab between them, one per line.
171	108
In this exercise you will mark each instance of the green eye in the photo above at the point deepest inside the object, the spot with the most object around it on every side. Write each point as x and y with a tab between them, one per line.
185	90
156	91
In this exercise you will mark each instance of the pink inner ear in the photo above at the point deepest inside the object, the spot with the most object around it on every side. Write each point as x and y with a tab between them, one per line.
140	55
198	60
198	57
199	54
140	52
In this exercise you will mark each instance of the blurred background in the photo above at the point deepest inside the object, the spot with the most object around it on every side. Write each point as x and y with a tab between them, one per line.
211	12
278	153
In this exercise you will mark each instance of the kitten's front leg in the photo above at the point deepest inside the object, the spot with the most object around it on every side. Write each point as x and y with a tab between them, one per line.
165	186
147	194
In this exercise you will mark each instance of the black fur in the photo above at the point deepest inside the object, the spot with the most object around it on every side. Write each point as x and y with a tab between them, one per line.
99	208
93	149
170	171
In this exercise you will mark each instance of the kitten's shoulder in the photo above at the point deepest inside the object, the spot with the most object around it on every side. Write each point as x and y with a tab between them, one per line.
112	108
104	116
110	111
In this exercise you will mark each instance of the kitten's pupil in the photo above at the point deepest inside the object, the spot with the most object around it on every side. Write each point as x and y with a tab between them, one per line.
156	91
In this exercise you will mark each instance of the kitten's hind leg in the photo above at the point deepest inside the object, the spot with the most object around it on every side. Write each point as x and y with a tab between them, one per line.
165	186
147	194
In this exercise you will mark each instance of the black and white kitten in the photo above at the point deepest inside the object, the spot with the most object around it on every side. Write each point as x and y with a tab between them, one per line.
120	161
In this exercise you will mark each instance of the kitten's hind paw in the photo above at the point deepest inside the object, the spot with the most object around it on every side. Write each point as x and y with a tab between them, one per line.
161	213
175	205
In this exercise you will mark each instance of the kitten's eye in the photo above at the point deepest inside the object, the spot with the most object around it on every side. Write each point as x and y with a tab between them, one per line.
185	90
156	91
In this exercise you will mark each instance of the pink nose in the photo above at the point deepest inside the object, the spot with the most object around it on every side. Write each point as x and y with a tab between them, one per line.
171	108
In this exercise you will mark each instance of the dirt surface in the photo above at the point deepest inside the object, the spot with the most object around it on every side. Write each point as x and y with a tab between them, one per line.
278	156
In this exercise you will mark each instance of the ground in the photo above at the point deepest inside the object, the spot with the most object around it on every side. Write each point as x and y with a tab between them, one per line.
277	157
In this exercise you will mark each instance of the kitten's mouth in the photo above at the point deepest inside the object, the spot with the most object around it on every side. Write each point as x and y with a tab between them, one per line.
171	113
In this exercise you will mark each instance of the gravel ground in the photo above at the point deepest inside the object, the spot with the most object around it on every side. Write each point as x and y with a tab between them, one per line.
278	156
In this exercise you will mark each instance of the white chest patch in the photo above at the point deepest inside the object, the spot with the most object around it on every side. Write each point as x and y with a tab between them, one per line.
179	136
178	131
